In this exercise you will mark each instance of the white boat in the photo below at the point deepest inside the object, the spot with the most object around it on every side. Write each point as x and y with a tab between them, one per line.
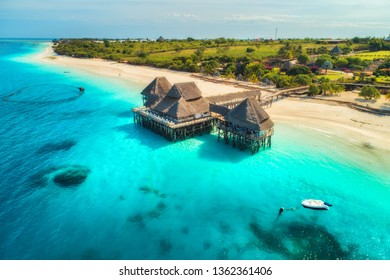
316	204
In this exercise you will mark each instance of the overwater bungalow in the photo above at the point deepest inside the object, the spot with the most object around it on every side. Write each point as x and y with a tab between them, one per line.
182	112
155	91
247	126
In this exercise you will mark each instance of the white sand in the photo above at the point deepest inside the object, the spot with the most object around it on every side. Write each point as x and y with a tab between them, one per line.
138	74
352	125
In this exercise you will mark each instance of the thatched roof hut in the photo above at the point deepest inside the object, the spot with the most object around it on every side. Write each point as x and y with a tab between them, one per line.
249	114
184	101
155	91
336	50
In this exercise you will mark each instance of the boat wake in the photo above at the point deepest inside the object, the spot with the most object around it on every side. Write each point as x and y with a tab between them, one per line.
44	94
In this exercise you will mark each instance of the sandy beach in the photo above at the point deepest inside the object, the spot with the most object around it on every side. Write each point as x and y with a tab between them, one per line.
137	74
364	129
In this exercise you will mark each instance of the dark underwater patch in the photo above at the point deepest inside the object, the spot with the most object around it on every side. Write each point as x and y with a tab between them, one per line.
72	175
64	176
300	241
57	146
165	246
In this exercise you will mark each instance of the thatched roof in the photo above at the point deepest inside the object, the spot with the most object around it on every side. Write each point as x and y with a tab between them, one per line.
189	91
336	50
249	114
184	100
152	100
218	109
158	87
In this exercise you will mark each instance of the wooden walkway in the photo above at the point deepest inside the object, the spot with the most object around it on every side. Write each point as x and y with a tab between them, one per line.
265	99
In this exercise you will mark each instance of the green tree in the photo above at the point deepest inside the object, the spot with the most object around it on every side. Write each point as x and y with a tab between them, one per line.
199	53
303	58
283	81
325	87
253	78
370	92
210	66
298	69
302	80
314	89
336	88
286	51
375	44
322	59
106	43
327	65
347	50
230	71
254	68
341	62
322	50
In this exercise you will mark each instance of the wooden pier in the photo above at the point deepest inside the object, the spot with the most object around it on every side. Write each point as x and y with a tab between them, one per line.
265	99
169	129
180	112
242	139
247	126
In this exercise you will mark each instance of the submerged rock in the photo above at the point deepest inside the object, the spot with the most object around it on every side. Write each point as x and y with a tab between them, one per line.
185	230
165	246
206	245
145	189
161	206
58	146
71	175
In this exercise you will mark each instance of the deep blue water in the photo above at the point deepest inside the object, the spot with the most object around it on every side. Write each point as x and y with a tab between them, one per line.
146	198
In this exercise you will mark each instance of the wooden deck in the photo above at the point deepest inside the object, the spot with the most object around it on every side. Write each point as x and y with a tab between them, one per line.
171	130
265	99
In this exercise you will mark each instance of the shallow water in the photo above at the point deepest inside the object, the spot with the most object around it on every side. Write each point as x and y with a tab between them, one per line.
146	198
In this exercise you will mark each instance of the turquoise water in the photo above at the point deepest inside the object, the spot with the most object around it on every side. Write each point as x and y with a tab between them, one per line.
146	198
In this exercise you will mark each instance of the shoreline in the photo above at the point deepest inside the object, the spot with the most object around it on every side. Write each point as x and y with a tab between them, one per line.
141	75
367	129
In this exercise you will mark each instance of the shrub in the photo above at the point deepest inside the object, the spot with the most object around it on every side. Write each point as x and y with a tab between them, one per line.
298	69
370	92
314	90
302	80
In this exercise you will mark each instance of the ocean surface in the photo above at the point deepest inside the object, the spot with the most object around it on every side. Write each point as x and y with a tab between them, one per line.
78	180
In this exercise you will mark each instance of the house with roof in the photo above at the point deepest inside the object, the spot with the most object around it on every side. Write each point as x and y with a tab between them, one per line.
180	112
155	91
247	126
183	102
336	51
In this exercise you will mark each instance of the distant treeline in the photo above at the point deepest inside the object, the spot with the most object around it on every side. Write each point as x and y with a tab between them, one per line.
252	60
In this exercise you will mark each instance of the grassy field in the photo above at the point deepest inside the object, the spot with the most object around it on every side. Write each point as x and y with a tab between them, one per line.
333	75
383	79
373	55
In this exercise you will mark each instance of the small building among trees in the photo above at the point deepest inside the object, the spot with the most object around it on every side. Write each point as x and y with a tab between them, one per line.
336	51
